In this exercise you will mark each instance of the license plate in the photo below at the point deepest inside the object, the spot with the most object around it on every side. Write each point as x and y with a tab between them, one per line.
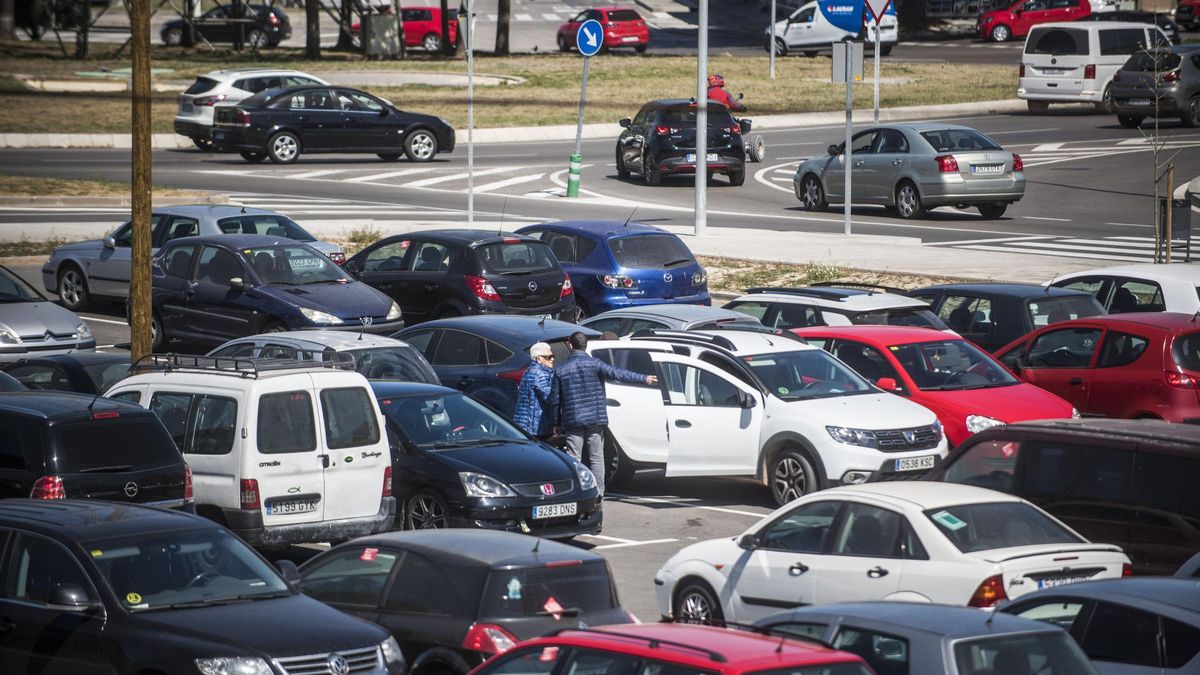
555	510
292	506
1139	101
711	157
987	168
1054	71
916	463
629	38
218	135
185	107
1060	581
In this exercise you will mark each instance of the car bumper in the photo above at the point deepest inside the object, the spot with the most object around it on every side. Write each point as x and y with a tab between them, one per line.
954	189
249	526
613	40
10	353
588	520
236	139
193	129
1033	93
351	327
664	586
726	163
562	311
617	299
1167	105
50	276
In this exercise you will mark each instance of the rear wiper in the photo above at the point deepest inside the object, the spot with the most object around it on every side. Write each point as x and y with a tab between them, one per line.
677	262
115	468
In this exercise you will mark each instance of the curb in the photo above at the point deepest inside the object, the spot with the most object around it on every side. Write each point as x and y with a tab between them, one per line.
37	201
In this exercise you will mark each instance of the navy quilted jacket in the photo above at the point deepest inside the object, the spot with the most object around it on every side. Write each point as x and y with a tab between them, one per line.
578	391
533	413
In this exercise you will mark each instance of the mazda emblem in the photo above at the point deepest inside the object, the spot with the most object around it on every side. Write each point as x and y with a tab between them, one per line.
667	277
532	286
548	489
131	489
910	436
338	665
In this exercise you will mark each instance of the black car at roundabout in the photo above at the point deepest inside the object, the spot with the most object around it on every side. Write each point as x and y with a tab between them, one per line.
661	141
281	124
456	463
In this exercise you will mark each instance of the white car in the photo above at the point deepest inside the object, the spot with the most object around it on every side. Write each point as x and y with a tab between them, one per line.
377	357
906	541
1139	288
834	306
226	87
808	30
740	403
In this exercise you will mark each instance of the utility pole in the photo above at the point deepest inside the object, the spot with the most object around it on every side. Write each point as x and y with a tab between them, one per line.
771	49
470	24
701	208
139	284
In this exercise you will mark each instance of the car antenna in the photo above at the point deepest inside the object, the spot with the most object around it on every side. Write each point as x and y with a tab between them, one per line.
630	216
503	210
89	408
991	615
1047	286
1195	316
243	208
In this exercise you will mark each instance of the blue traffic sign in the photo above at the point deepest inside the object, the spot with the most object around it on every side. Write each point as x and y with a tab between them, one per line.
589	38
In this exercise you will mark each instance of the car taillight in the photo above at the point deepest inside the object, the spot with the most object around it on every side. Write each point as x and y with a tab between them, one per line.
241	118
1089	71
618	281
482	288
514	375
1018	163
48	487
663	130
387	481
249	495
187	482
946	163
567	287
1126	570
105	415
1171	76
209	101
989	594
272	19
1021	71
1178	380
488	638
732	129
338	257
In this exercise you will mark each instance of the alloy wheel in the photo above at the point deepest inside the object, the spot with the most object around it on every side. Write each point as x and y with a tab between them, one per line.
812	194
906	200
426	512
695	607
422	145
1000	34
71	288
432	43
1194	112
790	480
285	147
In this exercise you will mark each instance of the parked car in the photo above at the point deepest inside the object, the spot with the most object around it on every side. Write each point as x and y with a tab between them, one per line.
1076	62
198	102
822	305
98	585
486	357
1139	288
376	357
737	403
99	269
443	273
458	464
1163	20
1130	627
261	26
1164	83
908	637
1001	25
1187	13
807	29
615	264
910	540
1123	482
31	324
422	26
212	289
452	599
59	445
915	167
280	124
9	383
82	372
670	317
283	451
1190	568
963	385
994	314
623	27
661	141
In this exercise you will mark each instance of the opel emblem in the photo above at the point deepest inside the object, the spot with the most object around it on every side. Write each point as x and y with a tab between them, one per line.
548	489
366	320
131	489
667	277
532	286
910	436
338	665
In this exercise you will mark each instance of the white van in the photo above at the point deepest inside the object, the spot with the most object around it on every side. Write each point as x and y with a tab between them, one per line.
1074	62
281	451
809	30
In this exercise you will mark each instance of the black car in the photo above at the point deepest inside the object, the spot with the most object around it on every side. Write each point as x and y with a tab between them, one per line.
82	372
661	140
443	273
454	598
994	314
487	356
1162	19
280	124
457	464
55	445
214	289
96	587
10	383
261	26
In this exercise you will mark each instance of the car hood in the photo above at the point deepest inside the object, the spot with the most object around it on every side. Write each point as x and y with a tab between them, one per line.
887	411
1015	403
345	301
518	462
86	245
36	318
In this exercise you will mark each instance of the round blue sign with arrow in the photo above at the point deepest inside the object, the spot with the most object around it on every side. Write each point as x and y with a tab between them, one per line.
589	38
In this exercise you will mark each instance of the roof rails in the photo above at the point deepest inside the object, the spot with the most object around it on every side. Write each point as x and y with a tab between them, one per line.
752	328
250	368
855	284
658	333
809	292
651	642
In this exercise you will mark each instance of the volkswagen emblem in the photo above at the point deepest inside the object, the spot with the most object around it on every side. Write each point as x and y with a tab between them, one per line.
910	437
548	489
532	286
986	156
338	665
667	277
366	320
131	489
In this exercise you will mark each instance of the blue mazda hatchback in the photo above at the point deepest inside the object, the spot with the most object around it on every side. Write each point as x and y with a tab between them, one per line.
614	264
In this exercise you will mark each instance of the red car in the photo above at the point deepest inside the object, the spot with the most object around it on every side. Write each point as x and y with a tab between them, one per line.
422	26
1187	14
1139	365
1000	25
622	28
963	385
669	648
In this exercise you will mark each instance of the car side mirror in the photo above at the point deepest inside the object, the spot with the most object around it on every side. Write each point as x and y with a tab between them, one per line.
746	400
237	283
352	266
289	572
71	597
109	242
384	112
887	384
625	122
748	541
833	150
1019	364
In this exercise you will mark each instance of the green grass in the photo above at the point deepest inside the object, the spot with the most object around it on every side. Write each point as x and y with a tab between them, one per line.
31	186
29	247
734	275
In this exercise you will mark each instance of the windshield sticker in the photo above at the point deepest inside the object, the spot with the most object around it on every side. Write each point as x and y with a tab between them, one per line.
1009	449
548	655
96	553
949	521
783	391
133	599
304	263
514	589
553	608
369	554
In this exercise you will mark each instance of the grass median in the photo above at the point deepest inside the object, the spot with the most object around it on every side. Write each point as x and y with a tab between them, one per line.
37	186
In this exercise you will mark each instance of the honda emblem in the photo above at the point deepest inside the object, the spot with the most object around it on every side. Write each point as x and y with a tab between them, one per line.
548	489
532	286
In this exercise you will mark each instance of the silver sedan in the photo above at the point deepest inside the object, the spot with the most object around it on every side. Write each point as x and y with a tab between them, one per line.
915	167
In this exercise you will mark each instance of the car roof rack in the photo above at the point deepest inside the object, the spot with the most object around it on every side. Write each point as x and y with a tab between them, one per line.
866	286
651	641
808	292
661	334
249	368
751	328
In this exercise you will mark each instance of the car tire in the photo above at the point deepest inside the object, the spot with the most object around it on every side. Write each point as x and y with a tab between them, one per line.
579	313
810	53
254	157
1037	107
651	173
425	510
812	195
1192	118
791	476
158	339
696	603
73	288
256	39
283	148
432	42
641	49
737	178
781	48
389	156
1130	121
992	211
420	146
618	468
562	43
622	170
172	37
756	150
1000	33
1106	102
885	50
203	143
908	201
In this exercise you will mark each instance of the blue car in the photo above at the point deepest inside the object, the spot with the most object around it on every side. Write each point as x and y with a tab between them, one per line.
614	264
213	289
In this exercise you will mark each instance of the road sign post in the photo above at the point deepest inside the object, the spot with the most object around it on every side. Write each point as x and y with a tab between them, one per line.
847	68
588	40
771	47
701	204
877	8
470	40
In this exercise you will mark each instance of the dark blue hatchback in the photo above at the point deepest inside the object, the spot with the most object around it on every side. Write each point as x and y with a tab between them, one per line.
615	264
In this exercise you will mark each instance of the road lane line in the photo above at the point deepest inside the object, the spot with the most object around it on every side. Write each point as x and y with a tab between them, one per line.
684	504
1065	254
1020	131
455	176
635	543
1060	220
314	174
385	175
99	320
605	537
1128	225
988	241
516	180
551	17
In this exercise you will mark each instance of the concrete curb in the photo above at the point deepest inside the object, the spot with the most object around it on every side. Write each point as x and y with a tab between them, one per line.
39	201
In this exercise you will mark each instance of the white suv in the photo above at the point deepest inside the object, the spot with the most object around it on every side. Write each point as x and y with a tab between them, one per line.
281	451
226	87
821	305
739	403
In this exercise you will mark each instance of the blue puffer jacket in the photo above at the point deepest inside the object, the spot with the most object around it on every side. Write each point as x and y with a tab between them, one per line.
533	413
578	391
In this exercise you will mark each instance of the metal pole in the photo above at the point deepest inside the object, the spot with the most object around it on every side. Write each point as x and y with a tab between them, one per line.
771	48
701	215
141	342
846	154
470	23
877	31
1170	238
576	167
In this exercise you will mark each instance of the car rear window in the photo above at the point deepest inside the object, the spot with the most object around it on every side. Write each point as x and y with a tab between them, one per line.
270	225
650	251
201	85
1050	653
984	527
922	317
1116	41
105	375
1147	62
1186	351
718	116
624	15
113	445
1046	311
349	418
1057	41
949	140
533	591
824	669
393	363
517	257
285	423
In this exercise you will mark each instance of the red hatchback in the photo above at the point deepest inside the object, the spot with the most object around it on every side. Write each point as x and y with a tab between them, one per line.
1000	25
677	649
963	385
422	26
1140	365
622	28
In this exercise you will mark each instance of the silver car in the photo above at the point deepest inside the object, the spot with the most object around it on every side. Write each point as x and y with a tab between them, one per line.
100	269
915	167
31	325
375	356
629	320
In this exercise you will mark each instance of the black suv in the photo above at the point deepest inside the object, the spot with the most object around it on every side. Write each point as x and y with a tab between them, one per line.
55	445
661	140
444	273
98	587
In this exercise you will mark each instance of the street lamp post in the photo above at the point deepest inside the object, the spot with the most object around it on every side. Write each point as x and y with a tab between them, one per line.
701	216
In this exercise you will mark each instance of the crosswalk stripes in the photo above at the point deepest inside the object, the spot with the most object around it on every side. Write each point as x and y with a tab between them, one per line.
1056	153
1131	249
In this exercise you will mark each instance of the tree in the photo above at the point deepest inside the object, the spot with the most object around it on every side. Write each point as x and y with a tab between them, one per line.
345	18
504	9
8	20
312	29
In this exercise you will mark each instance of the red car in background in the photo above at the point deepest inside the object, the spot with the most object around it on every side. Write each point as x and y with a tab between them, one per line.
422	26
1001	25
1138	365
622	28
963	385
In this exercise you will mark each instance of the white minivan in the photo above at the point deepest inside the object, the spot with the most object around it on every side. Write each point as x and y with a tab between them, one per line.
808	30
1074	62
281	451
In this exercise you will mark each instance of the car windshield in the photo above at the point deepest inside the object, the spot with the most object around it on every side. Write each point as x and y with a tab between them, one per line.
1048	653
806	374
10	383
393	363
293	265
920	317
14	289
984	527
950	365
516	257
447	421
1045	311
105	375
183	568
650	251
527	592
959	140
272	225
826	669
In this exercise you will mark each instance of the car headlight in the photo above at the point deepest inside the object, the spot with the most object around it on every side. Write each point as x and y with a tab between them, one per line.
391	651
587	479
1075	413
319	317
82	332
977	423
394	312
861	437
8	336
233	665
482	485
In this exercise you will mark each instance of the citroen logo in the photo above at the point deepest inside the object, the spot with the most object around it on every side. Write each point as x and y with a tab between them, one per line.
910	436
548	489
338	665
532	286
48	336
131	489
667	277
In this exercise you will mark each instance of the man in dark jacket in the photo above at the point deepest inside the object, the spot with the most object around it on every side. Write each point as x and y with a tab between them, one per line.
578	396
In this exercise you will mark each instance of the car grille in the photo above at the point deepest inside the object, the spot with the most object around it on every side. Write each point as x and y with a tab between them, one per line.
561	487
898	440
363	660
885	477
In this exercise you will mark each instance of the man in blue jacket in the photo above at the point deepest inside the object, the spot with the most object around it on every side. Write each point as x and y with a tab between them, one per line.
578	396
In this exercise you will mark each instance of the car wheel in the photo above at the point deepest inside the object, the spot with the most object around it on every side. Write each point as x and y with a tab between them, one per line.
908	201
622	171
618	468
203	143
388	156
1001	33
812	195
1193	113
650	172
737	178
884	50
158	339
1037	107
1106	102
562	44
425	510
696	603
578	314
756	151
1130	121
73	288
254	157
781	48
420	146
641	49
992	211
791	477
172	37
811	52
256	39
432	42
283	148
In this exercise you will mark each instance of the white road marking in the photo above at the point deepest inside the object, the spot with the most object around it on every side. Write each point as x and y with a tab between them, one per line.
988	241
455	176
101	320
605	537
522	17
551	17
686	504
635	543
314	174
1129	224
1058	220
1065	254
1047	147
517	180
1021	131
371	177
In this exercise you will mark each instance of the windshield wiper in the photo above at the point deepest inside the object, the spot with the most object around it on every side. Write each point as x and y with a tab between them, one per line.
115	468
325	281
677	262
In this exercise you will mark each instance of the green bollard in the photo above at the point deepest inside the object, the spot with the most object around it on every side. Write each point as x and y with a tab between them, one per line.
573	175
